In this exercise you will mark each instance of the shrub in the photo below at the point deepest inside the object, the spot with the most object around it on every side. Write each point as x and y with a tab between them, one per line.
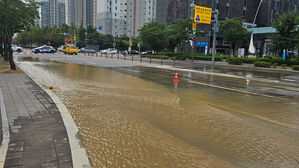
295	67
262	64
235	61
274	65
208	58
284	66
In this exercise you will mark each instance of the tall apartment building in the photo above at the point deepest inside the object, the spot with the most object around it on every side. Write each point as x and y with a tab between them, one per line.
80	12
52	12
124	18
45	13
161	10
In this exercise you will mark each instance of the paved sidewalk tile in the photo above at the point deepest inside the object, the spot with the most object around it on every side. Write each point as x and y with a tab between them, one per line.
38	135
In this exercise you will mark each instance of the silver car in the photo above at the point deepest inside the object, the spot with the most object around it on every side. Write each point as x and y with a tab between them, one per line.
109	51
17	48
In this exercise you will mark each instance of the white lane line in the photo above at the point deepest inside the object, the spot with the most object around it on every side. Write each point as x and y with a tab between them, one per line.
5	131
236	90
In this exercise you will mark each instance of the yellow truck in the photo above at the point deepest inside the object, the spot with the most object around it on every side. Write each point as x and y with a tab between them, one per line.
71	49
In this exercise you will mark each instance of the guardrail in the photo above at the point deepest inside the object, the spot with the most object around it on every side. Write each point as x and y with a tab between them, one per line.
151	59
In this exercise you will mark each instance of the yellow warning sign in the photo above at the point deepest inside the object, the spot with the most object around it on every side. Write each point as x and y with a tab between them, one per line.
202	15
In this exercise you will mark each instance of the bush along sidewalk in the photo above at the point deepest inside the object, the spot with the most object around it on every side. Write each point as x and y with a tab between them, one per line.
295	67
262	64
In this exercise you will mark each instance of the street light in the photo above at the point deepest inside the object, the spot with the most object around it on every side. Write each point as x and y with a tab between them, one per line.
252	49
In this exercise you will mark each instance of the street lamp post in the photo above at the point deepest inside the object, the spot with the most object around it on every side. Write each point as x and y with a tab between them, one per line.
252	49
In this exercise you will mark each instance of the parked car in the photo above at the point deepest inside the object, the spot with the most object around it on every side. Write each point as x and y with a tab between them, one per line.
71	49
17	48
44	49
109	51
86	50
134	52
60	48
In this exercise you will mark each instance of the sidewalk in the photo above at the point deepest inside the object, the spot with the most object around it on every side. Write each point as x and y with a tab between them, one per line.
38	136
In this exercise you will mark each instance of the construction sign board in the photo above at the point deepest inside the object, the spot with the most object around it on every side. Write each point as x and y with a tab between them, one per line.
202	15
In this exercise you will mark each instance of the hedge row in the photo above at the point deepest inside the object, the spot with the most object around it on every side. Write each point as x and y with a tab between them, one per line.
295	67
263	64
273	60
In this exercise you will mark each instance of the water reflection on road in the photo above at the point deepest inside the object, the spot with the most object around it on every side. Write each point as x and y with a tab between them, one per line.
127	121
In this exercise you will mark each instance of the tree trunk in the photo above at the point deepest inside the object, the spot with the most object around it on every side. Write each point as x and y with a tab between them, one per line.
5	32
10	52
1	47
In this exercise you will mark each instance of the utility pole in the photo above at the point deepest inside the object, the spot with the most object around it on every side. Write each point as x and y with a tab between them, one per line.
214	36
193	31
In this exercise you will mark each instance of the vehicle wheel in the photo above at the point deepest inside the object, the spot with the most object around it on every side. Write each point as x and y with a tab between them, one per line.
19	50
76	53
52	51
37	51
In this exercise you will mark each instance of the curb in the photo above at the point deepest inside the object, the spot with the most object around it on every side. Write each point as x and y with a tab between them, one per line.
5	131
79	154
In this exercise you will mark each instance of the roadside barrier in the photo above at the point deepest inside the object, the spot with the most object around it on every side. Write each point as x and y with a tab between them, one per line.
151	59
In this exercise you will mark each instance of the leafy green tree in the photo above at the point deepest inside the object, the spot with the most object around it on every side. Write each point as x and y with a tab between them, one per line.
93	35
82	37
15	15
287	32
154	35
179	33
234	33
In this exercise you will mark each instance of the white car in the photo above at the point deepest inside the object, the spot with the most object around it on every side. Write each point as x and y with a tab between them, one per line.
60	48
109	51
17	48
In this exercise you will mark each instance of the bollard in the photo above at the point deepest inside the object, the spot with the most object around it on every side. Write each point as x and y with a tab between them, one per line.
132	58
150	59
173	61
140	58
106	55
111	56
96	54
118	56
125	57
161	60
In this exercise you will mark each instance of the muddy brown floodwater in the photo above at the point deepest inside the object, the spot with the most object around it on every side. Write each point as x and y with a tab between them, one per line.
126	121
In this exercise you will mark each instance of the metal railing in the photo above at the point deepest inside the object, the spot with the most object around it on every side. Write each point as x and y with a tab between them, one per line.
150	59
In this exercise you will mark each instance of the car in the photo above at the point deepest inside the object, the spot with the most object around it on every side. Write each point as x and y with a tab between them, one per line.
60	48
44	49
109	51
17	48
134	52
86	50
71	49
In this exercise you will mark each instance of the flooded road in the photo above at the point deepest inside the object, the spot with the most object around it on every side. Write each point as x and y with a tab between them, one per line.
136	117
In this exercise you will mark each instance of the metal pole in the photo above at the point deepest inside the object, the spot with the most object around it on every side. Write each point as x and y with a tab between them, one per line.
252	48
214	36
193	33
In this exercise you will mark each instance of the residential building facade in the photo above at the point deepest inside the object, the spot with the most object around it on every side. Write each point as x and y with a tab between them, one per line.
81	12
52	12
124	18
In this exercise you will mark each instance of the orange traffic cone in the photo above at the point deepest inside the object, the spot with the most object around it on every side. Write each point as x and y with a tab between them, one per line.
176	78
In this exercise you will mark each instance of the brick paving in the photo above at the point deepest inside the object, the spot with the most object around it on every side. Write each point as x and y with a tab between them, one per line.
38	137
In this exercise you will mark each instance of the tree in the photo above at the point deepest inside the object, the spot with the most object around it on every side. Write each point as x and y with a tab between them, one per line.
234	33
287	32
82	37
15	15
180	32
92	35
154	35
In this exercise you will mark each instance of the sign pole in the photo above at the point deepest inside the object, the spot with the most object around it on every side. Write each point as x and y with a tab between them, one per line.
214	37
193	31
